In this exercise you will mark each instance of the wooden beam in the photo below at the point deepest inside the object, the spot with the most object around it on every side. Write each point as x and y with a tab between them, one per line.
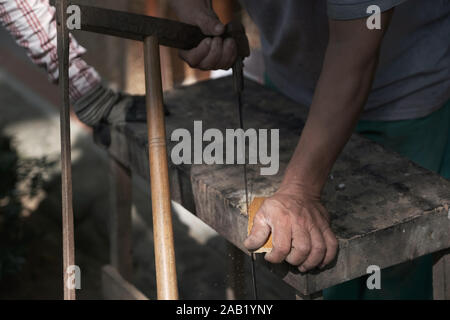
236	289
441	275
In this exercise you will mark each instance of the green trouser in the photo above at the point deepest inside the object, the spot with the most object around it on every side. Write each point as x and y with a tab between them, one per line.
425	141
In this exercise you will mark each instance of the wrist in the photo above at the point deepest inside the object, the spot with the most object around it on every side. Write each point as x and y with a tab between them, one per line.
304	178
95	104
299	191
308	168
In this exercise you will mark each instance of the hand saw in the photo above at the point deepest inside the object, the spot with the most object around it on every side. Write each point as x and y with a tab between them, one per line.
153	32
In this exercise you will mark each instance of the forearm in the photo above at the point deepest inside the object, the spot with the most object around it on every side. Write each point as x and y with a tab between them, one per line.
187	10
341	93
334	112
33	27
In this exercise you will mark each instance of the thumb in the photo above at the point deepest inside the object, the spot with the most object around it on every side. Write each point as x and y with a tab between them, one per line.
259	234
210	24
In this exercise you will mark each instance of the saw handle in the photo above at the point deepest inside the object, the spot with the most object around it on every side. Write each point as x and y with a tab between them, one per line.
169	32
190	36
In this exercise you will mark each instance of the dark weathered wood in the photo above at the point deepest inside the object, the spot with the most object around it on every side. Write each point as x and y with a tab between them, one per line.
385	209
120	220
66	164
315	296
115	287
235	273
441	275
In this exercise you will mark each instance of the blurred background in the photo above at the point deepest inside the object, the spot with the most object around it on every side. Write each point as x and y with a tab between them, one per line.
30	206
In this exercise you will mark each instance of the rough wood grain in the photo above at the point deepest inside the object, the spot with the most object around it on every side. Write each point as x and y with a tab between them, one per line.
385	209
441	275
236	289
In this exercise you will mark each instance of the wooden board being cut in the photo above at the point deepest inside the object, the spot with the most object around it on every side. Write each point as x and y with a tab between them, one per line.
252	210
384	209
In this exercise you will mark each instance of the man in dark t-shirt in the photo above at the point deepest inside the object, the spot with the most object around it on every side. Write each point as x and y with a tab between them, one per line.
390	83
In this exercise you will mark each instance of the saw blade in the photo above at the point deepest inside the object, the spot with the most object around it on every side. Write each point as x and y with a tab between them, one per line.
238	80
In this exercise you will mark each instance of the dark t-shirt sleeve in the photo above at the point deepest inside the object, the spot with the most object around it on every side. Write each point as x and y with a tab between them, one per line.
355	9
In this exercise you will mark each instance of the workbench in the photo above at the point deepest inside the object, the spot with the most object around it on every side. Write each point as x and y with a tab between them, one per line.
385	209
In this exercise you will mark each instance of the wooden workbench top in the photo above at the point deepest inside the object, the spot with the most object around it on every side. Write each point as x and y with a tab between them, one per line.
385	209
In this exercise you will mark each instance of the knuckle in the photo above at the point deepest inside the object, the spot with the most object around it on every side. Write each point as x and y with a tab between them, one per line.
323	225
319	249
281	249
299	220
281	215
271	202
201	21
203	66
334	245
216	45
191	63
230	47
308	266
198	20
304	249
259	218
211	62
284	250
223	63
293	261
270	257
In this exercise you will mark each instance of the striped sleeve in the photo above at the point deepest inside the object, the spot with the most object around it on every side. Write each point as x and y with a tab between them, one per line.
32	23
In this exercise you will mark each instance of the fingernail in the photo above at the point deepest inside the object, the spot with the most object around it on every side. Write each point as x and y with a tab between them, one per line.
218	28
302	269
